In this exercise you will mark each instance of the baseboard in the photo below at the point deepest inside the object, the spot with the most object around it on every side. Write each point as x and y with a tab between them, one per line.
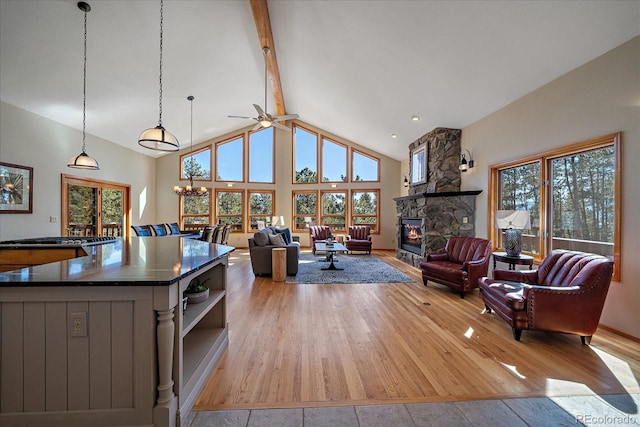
620	333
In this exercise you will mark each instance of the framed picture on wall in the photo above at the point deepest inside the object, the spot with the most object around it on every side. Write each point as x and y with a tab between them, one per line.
419	165
16	188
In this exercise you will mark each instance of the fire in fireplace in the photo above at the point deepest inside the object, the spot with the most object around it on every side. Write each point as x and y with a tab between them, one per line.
411	235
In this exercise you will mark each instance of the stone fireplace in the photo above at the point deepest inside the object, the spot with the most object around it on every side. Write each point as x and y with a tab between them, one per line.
435	209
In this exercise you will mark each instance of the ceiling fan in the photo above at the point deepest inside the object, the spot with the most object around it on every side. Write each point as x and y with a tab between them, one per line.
265	119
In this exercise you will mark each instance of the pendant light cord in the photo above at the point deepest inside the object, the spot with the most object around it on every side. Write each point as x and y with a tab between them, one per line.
161	21
84	87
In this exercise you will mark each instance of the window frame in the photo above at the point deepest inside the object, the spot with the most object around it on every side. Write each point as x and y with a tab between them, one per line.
243	208
355	151
611	140
250	215
353	215
273	155
193	153
324	138
182	215
293	159
322	214
242	137
294	215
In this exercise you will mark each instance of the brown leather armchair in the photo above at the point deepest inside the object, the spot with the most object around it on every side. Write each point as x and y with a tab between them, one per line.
359	238
463	262
565	294
318	233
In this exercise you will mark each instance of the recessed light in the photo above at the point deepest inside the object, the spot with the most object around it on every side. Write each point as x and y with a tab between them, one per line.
415	118
393	135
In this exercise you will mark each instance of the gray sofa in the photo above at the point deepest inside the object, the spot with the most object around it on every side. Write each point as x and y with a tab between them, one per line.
260	252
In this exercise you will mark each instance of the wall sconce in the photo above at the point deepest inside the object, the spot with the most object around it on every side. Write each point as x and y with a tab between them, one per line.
334	185
229	184
464	165
406	181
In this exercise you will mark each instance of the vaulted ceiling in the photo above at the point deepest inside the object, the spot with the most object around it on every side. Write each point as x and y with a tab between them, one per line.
358	69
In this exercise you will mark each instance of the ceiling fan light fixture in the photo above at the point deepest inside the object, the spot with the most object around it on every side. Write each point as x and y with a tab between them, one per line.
265	123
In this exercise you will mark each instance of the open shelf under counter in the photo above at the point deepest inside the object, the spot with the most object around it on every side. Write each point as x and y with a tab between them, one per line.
202	349
196	312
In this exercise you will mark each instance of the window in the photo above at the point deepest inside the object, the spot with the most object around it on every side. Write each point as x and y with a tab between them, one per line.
365	209
419	165
334	209
305	155
572	194
261	205
261	149
229	160
229	210
334	161
195	211
198	163
304	209
364	167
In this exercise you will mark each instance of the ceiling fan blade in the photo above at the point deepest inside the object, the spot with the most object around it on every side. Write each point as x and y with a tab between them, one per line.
281	126
285	117
240	117
259	110
257	126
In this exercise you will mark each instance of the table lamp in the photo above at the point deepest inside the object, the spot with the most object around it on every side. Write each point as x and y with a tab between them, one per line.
512	221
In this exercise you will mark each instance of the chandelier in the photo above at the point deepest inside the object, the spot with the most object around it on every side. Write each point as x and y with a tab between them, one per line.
190	190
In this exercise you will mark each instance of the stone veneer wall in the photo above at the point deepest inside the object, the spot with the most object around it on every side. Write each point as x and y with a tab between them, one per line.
443	215
443	159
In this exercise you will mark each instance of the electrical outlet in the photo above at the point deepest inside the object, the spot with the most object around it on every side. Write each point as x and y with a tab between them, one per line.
78	324
53	219
465	219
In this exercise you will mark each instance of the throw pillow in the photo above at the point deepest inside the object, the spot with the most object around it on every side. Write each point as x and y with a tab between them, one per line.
276	240
261	239
286	235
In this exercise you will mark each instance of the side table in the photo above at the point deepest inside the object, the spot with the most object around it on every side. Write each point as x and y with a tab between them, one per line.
512	261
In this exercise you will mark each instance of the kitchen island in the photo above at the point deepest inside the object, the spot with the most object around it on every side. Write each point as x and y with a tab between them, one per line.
102	339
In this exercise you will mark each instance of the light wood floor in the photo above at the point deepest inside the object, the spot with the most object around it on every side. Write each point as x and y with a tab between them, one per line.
300	345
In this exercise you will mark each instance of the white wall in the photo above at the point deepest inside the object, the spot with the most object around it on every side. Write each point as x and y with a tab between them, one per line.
598	98
46	146
390	184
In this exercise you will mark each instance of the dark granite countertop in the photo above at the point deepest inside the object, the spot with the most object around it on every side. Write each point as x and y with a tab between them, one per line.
134	261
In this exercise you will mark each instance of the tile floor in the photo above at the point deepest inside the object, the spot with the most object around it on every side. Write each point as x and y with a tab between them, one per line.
606	410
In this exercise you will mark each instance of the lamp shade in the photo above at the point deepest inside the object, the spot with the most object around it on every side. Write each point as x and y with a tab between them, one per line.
513	219
83	161
158	138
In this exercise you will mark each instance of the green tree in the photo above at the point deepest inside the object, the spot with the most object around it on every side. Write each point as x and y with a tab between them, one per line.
306	175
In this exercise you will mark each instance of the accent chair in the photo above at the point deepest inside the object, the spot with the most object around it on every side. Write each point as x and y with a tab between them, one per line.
359	238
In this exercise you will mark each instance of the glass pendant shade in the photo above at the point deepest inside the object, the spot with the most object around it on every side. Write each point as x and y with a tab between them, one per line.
158	138
83	161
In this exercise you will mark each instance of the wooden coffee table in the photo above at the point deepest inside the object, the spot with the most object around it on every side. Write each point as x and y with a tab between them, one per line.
331	251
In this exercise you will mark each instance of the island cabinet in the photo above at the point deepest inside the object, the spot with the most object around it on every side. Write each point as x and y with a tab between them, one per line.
102	340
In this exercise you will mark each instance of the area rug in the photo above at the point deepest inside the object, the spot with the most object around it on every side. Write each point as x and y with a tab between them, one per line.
357	269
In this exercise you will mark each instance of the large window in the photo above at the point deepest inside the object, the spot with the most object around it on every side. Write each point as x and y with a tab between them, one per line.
229	160
196	164
364	167
261	205
229	208
334	209
304	209
261	149
195	211
572	194
305	155
334	161
365	209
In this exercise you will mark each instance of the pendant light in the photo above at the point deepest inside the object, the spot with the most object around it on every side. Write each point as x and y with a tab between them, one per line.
83	160
158	138
190	190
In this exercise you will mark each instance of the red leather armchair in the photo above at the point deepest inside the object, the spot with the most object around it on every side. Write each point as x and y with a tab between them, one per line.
565	294
463	262
318	233
359	238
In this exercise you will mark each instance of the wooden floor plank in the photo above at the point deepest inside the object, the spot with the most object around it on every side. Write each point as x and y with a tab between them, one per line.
296	345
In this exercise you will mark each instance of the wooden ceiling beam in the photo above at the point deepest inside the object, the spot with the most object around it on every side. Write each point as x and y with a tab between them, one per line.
265	36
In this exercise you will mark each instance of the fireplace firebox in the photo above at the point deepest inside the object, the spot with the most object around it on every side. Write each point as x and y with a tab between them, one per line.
411	235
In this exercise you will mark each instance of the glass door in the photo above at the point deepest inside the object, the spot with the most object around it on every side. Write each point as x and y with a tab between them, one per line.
94	208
